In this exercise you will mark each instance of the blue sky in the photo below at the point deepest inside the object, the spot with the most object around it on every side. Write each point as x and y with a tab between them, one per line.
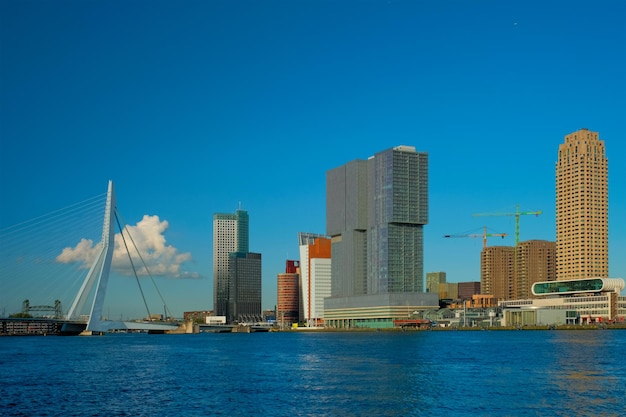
195	107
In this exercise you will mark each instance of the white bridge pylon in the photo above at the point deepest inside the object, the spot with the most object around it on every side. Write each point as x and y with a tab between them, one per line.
99	272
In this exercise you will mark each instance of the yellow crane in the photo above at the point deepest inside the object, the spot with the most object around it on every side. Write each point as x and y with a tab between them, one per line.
517	214
484	235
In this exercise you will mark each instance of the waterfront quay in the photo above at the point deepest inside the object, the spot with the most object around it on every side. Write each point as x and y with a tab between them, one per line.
599	326
30	326
56	327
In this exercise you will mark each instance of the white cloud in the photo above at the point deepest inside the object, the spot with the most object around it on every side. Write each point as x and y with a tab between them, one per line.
146	238
85	252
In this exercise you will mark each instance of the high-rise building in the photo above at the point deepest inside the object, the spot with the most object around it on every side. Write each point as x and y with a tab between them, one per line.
288	301
230	234
497	267
433	279
244	291
315	276
346	222
375	215
582	292
509	272
582	207
375	212
398	189
536	262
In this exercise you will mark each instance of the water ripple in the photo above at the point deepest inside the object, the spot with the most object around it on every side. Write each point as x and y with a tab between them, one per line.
324	374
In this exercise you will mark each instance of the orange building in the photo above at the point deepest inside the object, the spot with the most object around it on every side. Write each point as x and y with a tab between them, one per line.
288	300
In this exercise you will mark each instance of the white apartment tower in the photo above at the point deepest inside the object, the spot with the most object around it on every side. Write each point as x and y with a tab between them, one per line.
315	276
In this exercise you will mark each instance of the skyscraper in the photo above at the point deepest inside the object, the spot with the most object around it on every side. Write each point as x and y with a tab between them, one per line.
375	215
582	204
399	211
244	287
346	222
230	234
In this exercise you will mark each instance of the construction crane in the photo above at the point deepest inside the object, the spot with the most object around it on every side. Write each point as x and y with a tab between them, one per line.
516	214
485	235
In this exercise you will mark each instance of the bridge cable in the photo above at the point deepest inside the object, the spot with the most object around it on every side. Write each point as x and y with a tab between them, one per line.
30	265
132	265
145	265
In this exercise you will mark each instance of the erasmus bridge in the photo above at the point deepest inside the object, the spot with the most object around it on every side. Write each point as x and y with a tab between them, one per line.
35	265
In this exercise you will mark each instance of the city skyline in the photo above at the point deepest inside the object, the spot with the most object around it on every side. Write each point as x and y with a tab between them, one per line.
195	109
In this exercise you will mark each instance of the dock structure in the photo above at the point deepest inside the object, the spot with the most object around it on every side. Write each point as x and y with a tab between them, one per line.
412	323
39	326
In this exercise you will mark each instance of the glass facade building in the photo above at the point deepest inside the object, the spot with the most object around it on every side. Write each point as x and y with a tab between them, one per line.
230	234
244	295
375	215
398	183
346	224
577	286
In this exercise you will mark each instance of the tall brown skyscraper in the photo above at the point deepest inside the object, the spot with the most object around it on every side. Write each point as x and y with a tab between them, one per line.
582	207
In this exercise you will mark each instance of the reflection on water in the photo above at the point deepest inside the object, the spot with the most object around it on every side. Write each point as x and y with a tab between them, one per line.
480	373
590	369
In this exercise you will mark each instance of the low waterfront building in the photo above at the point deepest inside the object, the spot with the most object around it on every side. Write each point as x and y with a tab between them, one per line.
198	316
468	289
581	301
440	317
483	301
473	317
449	291
215	320
376	310
538	317
478	301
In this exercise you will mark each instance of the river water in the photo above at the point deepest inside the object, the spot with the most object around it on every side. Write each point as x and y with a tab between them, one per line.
418	373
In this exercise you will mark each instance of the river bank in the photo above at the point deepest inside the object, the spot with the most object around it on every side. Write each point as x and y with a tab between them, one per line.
460	328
